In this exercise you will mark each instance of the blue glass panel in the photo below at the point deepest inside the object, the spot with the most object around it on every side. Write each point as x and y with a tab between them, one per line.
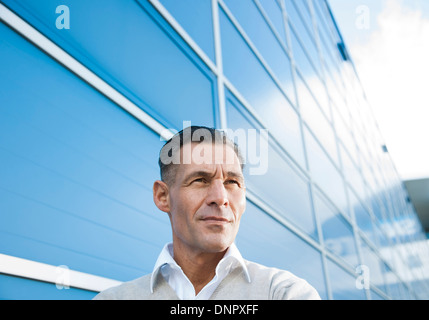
304	13
382	240
320	8
130	46
76	166
344	134
406	295
303	64
376	296
14	288
363	219
195	16
331	60
394	287
374	265
334	91
337	232
306	71
273	10
316	119
249	77
352	174
279	185
343	284
76	170
304	32
254	25
263	240
377	208
324	172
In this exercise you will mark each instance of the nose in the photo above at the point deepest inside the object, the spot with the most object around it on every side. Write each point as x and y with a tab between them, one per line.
217	194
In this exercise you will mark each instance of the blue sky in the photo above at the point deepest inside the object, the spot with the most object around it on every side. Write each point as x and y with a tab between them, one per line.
389	44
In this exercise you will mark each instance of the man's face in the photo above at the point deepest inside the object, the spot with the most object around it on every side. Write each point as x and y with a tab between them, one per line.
207	200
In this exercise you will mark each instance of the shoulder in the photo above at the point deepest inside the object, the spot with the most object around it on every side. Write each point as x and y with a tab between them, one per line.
283	285
135	289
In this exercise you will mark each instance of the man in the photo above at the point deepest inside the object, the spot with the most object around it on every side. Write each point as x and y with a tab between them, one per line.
202	189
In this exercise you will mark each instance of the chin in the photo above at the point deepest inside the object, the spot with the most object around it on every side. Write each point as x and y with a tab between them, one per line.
216	245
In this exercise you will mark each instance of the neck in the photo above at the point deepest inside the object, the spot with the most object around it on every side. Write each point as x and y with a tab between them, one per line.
198	266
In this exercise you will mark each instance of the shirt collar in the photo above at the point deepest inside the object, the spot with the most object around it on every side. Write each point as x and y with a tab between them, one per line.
166	257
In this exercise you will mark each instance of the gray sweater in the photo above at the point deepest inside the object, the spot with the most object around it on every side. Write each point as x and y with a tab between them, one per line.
266	284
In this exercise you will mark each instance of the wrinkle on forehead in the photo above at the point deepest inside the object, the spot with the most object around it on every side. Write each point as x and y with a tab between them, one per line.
208	154
203	155
220	160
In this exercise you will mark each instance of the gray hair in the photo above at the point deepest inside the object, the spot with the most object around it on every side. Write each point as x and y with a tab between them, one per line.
191	134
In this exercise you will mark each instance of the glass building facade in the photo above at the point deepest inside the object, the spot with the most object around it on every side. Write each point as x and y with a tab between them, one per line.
88	87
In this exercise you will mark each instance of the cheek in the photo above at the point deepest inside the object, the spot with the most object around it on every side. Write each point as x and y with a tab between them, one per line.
238	204
185	205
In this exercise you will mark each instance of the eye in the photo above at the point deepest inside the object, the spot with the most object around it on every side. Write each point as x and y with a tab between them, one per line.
200	180
231	181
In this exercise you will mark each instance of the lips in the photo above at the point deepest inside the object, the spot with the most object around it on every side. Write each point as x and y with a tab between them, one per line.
215	219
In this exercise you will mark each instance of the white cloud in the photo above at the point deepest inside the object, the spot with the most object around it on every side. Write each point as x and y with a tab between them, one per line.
394	68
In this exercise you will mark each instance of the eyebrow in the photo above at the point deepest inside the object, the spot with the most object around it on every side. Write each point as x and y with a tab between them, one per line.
208	174
235	175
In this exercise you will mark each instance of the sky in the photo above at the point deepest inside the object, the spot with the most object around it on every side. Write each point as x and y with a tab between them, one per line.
388	41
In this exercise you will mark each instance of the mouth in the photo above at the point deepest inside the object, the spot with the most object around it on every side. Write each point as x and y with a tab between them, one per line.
216	219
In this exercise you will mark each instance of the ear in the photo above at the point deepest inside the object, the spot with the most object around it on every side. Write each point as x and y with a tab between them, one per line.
161	196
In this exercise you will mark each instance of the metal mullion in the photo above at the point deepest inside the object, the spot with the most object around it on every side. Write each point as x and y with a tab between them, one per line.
345	267
369	243
358	239
289	158
416	274
294	80
333	45
219	64
332	203
340	262
311	93
23	28
254	50
183	34
323	250
330	28
356	229
310	60
337	167
345	183
273	213
326	26
362	202
223	81
375	251
383	172
381	292
346	189
294	76
399	275
322	64
337	142
273	29
47	273
335	84
306	27
258	119
320	75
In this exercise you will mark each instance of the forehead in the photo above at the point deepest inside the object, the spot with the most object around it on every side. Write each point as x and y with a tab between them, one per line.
195	156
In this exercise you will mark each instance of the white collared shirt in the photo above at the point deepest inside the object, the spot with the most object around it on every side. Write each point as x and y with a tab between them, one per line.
183	287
